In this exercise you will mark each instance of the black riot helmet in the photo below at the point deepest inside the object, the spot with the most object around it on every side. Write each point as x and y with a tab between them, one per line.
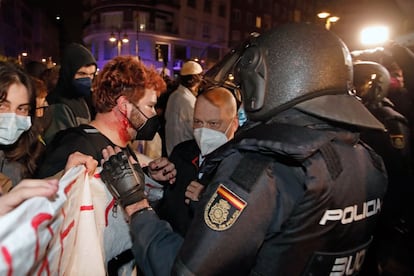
295	65
371	81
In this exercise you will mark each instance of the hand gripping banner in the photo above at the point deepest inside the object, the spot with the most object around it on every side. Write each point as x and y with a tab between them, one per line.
75	234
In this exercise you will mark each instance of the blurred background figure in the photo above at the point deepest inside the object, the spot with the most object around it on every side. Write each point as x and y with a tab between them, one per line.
50	77
399	61
180	106
41	94
35	68
392	248
160	107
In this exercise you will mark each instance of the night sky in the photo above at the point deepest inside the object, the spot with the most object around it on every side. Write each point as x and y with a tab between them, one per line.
70	12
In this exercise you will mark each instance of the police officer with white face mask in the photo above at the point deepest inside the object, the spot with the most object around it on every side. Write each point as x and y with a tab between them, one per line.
215	122
295	193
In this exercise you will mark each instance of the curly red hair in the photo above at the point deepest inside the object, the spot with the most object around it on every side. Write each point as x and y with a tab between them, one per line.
124	76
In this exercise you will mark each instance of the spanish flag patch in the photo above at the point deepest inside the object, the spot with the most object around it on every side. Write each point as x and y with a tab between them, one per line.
223	209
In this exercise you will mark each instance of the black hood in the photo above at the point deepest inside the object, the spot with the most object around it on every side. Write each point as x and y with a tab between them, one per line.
74	57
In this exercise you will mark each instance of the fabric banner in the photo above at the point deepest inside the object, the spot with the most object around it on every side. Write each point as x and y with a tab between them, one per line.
74	234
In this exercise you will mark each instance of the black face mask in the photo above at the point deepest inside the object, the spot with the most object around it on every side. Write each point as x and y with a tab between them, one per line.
82	87
149	128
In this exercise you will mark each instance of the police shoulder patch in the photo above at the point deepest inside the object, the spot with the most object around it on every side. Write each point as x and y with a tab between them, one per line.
223	209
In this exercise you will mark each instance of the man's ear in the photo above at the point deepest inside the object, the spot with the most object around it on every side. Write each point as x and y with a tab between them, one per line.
122	104
235	122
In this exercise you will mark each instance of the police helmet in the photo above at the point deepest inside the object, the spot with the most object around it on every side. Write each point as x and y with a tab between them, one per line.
372	81
295	65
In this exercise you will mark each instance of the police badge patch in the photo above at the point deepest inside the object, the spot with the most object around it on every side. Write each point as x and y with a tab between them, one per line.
223	209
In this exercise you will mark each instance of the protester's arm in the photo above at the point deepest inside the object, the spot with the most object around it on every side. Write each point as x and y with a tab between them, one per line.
77	158
193	191
155	245
26	189
29	188
162	169
235	237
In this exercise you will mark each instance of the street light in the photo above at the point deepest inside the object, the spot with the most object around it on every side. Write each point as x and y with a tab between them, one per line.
21	56
119	40
376	35
329	19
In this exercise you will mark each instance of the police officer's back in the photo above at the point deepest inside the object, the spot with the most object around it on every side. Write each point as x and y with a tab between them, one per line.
296	192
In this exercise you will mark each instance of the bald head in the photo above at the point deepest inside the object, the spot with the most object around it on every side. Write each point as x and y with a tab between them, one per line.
221	98
216	109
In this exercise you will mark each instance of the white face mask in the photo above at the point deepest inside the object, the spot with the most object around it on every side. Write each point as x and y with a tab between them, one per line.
209	139
12	126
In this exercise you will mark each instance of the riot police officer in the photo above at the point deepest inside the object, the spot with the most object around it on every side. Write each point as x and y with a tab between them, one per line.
296	192
392	247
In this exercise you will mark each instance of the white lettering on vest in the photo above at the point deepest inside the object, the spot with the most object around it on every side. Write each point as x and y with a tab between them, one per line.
350	213
348	265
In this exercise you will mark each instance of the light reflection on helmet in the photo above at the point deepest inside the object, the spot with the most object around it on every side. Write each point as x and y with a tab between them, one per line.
372	81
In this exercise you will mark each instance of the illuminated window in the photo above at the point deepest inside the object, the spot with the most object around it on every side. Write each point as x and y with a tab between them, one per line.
162	52
258	22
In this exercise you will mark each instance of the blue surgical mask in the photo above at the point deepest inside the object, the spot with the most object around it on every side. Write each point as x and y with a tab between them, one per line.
12	127
82	87
241	114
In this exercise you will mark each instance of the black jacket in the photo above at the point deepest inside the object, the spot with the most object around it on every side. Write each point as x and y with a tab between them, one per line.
172	207
67	109
282	200
84	138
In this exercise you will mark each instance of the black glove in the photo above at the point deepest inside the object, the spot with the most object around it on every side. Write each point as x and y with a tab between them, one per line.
125	181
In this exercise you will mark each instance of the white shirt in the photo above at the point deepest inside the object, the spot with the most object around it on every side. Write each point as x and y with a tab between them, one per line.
179	117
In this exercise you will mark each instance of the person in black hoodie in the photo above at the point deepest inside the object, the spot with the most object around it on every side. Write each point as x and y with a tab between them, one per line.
70	101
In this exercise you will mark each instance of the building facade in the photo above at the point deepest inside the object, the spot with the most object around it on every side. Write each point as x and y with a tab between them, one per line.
27	32
249	16
159	32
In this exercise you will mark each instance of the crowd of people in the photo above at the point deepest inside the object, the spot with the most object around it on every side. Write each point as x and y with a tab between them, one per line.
317	181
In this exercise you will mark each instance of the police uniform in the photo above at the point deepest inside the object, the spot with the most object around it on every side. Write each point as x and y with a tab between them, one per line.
296	192
293	200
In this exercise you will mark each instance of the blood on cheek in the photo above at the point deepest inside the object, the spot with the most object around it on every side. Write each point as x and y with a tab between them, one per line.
123	131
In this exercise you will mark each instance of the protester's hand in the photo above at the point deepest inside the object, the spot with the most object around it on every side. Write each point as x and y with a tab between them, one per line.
27	188
162	169
193	192
123	176
78	158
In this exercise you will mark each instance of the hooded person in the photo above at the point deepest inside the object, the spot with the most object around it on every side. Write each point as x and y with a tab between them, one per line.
296	192
70	101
